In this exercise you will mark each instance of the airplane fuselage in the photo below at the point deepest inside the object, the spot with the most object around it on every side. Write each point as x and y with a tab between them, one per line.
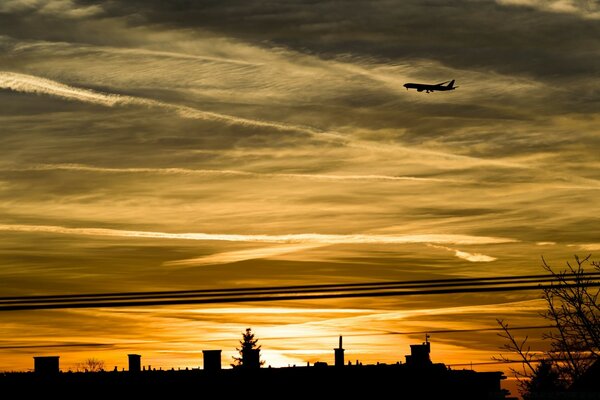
430	88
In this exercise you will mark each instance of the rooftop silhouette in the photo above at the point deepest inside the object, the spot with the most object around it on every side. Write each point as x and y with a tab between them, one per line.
418	376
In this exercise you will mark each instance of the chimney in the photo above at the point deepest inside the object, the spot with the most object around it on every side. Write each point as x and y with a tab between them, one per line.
135	362
339	355
212	360
47	365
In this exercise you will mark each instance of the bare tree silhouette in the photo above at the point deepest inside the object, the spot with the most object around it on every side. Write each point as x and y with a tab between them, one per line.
90	365
573	311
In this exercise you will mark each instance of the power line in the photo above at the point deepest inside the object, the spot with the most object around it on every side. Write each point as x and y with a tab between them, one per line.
499	362
322	287
263	291
272	296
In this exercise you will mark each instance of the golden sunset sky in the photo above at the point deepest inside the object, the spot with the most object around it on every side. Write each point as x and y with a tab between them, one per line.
151	145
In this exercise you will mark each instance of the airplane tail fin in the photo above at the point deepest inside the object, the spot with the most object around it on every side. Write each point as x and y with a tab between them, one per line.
451	84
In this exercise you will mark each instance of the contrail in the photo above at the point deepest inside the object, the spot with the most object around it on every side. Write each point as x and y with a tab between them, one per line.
189	171
32	84
241	255
290	238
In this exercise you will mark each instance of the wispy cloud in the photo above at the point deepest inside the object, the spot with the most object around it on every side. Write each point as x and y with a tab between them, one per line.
587	246
36	85
240	255
291	238
33	84
472	257
63	8
585	9
134	52
201	172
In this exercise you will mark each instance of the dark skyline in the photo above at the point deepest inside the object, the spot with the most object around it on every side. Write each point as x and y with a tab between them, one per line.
417	376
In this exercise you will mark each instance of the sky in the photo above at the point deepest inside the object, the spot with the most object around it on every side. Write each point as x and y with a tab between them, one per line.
151	145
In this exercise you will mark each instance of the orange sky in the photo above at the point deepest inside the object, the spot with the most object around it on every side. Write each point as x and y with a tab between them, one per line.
148	146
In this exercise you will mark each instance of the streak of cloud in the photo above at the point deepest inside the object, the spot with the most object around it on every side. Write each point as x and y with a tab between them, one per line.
240	255
472	257
134	52
61	8
588	9
268	119
32	84
35	85
204	172
291	238
587	246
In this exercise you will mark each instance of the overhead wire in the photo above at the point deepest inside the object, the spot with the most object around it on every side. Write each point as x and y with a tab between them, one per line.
294	293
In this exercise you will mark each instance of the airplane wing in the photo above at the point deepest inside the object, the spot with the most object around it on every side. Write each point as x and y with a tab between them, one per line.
440	84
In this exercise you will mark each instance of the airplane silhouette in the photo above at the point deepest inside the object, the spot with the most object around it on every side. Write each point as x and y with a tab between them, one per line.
431	88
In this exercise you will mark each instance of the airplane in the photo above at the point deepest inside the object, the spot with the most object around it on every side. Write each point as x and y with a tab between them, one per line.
431	88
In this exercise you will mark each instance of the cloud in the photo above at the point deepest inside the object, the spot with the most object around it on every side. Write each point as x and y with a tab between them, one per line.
59	8
587	246
501	38
68	9
36	85
583	8
291	238
504	156
201	172
472	257
144	52
41	345
240	255
32	84
278	310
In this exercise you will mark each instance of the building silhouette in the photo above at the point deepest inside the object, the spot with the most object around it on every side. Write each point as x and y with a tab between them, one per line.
418	378
419	354
47	365
212	360
339	355
135	362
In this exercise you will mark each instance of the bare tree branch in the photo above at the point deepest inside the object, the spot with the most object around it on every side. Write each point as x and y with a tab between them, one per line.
574	312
